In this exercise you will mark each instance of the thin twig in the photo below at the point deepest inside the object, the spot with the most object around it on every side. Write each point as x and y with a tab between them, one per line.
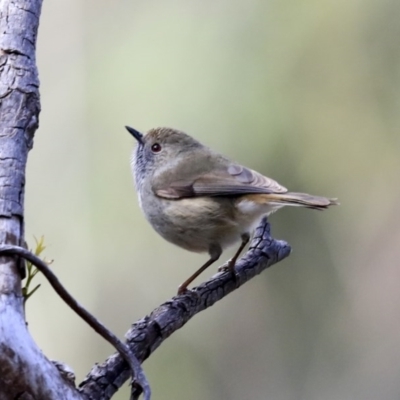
139	380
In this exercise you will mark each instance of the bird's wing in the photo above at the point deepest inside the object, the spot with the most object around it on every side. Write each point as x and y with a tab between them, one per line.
234	180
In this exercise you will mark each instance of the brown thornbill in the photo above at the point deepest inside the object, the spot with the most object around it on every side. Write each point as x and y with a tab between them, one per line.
200	200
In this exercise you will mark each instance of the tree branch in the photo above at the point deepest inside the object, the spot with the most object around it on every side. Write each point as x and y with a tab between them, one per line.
147	334
138	377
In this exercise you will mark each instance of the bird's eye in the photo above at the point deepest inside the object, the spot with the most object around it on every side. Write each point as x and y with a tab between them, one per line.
156	148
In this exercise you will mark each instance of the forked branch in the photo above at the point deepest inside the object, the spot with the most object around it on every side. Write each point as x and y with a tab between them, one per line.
147	334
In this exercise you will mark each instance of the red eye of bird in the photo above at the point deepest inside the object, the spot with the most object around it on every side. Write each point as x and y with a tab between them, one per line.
156	148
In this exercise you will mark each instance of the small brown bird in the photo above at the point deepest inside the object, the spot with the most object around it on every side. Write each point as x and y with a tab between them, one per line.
200	200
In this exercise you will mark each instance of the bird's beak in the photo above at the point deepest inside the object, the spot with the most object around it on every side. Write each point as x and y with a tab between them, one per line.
136	134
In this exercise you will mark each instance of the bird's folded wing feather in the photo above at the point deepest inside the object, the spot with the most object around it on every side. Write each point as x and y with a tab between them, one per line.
232	181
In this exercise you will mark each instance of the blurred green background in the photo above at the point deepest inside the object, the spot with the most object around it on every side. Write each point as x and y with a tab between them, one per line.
306	92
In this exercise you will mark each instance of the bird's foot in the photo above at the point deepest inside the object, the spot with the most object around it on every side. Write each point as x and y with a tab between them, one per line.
228	266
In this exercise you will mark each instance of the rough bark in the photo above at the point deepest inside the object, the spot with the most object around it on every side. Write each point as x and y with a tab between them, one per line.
147	334
25	373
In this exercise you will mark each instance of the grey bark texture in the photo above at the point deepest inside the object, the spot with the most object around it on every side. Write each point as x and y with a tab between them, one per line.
147	334
25	372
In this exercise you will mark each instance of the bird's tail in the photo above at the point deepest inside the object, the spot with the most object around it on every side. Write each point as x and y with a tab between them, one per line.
299	200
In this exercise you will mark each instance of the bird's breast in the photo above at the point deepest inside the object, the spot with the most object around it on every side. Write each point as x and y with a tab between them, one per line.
193	223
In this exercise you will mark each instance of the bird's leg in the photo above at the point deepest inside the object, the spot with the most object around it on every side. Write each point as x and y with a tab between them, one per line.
215	252
245	240
230	266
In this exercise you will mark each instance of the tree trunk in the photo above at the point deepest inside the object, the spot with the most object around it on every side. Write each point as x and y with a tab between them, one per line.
22	364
